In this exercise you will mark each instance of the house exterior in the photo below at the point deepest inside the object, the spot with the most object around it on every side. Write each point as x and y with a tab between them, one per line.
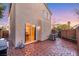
29	22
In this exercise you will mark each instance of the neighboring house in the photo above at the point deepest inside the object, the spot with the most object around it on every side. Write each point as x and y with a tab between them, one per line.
29	22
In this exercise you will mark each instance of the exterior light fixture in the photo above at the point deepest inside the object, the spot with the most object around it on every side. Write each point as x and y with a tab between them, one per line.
33	25
38	27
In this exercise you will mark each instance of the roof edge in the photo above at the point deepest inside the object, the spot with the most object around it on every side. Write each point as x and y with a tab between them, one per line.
47	8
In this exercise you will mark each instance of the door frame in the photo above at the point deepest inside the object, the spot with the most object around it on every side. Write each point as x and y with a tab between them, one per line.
34	35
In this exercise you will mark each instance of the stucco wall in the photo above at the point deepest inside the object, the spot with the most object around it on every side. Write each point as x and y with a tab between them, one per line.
30	13
46	29
12	26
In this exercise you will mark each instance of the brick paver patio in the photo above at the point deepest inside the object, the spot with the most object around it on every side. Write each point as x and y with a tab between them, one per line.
46	48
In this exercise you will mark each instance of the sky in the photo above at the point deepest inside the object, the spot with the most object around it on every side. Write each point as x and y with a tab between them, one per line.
64	12
4	20
61	13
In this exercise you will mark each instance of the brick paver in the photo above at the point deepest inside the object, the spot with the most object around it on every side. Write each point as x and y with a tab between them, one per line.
46	48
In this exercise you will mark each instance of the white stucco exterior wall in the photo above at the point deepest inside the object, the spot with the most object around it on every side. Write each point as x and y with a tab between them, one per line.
30	13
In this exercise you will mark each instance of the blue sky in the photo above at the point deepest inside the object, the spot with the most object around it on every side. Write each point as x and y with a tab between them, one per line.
61	13
4	20
64	12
